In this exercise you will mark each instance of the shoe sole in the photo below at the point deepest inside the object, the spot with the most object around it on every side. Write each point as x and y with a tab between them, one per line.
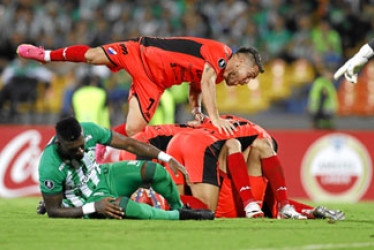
282	217
20	46
256	215
30	45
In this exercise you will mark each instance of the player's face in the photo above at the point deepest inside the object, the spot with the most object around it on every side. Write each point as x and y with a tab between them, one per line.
73	149
241	75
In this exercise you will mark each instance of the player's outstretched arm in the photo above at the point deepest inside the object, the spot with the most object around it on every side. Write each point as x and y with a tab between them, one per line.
146	150
208	89
351	68
104	206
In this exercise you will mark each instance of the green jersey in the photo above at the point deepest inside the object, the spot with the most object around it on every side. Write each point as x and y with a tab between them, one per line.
76	180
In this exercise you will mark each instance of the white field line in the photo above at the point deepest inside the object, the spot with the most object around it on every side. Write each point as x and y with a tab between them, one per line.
321	246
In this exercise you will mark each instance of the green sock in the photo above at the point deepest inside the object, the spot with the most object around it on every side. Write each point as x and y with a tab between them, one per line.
145	212
163	184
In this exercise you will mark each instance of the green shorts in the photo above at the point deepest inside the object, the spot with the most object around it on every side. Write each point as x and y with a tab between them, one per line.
118	179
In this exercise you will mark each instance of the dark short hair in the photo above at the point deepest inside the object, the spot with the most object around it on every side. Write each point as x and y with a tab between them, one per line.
68	129
256	56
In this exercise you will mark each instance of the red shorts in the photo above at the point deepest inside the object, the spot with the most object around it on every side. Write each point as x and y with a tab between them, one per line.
198	151
229	204
126	55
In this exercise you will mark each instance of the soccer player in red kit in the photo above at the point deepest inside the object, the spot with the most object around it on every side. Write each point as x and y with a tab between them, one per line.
156	64
201	158
157	135
193	152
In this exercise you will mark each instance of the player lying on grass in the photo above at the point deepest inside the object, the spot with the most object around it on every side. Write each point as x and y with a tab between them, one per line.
74	185
156	64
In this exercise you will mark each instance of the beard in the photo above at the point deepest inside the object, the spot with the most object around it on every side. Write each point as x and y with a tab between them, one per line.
229	79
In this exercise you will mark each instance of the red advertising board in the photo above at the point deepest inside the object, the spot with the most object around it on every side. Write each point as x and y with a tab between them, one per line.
333	166
20	149
327	165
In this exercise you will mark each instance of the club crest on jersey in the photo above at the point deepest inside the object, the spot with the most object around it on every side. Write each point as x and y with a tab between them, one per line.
49	184
222	63
112	51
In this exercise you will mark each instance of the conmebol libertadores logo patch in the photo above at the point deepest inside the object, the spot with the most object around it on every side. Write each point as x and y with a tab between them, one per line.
337	168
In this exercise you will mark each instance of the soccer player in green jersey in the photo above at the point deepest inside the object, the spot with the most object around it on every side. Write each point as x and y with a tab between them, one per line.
74	185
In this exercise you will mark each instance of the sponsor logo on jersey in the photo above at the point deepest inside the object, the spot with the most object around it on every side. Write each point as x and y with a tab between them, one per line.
124	49
337	168
48	184
112	51
244	188
222	63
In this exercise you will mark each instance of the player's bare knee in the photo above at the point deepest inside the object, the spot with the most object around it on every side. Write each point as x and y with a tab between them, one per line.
93	55
233	146
132	130
264	146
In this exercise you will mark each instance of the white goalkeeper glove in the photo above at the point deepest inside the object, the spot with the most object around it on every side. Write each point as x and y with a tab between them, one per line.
352	66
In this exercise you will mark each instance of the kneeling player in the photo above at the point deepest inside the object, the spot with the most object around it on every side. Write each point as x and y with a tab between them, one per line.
201	163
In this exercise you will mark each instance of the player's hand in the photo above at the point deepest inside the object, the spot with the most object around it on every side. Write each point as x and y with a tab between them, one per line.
198	119
350	68
176	167
224	125
41	208
107	207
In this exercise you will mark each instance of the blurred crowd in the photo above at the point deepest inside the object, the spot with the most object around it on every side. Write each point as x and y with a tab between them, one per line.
279	28
320	31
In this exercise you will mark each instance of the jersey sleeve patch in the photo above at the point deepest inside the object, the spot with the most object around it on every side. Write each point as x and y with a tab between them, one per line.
222	63
49	184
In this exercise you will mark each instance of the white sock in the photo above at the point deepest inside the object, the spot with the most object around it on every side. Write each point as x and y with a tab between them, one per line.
47	55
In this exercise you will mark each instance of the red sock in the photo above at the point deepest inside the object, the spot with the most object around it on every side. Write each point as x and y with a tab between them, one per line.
272	170
239	175
121	129
72	54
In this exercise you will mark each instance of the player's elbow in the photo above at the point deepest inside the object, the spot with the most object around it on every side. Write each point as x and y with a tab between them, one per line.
53	213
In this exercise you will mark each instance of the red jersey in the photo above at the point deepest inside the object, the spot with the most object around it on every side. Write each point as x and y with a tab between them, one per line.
158	136
244	128
171	61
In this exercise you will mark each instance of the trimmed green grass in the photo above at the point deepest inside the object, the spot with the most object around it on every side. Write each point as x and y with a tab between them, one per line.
22	228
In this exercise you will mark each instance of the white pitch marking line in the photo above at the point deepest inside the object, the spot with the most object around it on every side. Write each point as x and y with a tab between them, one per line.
321	246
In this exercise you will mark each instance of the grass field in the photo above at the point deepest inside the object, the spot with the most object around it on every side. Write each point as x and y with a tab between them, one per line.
22	228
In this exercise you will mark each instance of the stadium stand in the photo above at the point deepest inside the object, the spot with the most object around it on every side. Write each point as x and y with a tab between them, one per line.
288	33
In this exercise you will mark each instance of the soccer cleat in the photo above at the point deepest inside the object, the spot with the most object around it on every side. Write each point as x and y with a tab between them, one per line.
253	210
29	51
41	208
289	212
325	213
186	213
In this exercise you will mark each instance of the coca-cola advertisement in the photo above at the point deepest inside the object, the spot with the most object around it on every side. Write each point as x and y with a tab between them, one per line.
20	150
